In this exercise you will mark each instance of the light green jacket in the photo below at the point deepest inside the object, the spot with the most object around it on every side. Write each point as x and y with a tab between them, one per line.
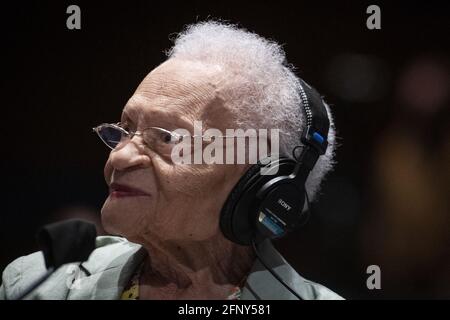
112	263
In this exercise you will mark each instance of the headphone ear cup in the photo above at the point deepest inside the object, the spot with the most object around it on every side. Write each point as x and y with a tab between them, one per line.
239	211
226	215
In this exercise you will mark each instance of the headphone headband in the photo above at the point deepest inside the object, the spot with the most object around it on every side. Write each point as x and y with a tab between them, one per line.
316	117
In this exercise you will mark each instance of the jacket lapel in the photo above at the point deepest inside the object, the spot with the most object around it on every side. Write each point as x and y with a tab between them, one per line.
106	281
262	285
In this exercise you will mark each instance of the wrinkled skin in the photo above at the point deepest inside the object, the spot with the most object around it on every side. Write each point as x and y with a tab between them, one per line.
177	218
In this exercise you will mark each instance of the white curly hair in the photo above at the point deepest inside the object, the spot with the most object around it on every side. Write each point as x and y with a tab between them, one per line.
266	91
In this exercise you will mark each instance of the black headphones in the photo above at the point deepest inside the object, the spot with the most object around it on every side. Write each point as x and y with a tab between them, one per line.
262	206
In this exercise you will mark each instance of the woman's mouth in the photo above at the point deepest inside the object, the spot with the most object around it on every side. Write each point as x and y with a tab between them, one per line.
117	190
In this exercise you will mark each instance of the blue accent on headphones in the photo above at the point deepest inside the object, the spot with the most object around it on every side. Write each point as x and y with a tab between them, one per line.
270	223
318	137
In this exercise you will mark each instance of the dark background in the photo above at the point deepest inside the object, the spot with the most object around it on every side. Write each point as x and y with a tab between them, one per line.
386	203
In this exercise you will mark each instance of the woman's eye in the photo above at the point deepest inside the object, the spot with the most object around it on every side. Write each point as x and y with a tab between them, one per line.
168	138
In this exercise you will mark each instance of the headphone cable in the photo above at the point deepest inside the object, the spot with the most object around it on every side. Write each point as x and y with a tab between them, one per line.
276	276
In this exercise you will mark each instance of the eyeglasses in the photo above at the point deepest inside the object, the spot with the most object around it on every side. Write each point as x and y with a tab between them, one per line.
158	139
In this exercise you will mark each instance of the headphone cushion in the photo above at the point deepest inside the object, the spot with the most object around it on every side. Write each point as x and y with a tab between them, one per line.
233	222
226	214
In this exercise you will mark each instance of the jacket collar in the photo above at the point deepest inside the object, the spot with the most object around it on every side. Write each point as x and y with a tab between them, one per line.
262	285
107	281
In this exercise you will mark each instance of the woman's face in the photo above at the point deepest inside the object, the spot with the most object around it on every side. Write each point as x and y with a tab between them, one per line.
175	201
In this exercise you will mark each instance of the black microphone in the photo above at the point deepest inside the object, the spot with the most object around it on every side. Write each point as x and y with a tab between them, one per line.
63	242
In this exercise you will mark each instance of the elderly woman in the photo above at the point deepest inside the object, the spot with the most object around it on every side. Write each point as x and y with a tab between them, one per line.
170	241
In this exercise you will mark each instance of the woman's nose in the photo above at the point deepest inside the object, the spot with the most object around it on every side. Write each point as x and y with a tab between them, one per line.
127	156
